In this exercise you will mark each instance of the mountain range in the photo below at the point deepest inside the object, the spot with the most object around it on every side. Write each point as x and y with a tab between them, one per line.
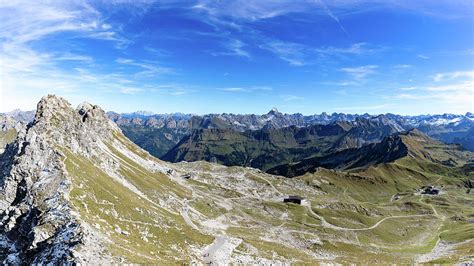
165	131
75	189
269	147
159	133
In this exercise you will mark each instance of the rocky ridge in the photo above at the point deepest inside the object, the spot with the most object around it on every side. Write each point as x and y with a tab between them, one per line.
37	221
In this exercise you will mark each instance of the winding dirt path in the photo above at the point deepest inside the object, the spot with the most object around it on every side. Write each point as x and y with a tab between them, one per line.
332	226
185	214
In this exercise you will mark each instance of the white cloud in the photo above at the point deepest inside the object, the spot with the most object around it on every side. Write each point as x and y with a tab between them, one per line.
457	94
293	53
334	17
23	22
28	72
360	72
247	89
249	11
234	89
290	97
299	55
234	48
355	49
467	86
73	57
453	75
225	11
149	68
131	90
423	56
172	89
402	66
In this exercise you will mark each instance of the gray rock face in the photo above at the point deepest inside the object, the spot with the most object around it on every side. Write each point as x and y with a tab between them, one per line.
37	223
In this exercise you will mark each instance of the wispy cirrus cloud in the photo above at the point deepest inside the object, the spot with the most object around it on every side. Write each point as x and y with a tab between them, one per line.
225	11
148	68
247	89
233	19
402	66
467	86
293	53
449	88
334	17
291	97
250	11
453	75
131	90
29	70
172	89
299	55
360	48
233	47
361	71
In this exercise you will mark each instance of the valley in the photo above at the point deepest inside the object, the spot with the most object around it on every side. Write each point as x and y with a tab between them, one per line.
119	203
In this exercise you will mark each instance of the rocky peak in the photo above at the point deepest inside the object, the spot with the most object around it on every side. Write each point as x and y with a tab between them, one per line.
74	128
51	106
274	111
90	113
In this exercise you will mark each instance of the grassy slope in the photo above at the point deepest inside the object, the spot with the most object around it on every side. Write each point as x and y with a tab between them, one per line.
7	137
154	233
269	228
261	149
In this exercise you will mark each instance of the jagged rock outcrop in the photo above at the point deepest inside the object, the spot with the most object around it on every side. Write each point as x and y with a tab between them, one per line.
37	223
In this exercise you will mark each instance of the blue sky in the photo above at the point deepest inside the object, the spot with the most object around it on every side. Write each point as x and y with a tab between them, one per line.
354	56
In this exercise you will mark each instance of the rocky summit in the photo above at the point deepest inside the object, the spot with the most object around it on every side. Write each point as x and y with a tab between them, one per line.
74	189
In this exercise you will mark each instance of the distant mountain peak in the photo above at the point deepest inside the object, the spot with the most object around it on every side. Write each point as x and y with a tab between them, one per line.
274	111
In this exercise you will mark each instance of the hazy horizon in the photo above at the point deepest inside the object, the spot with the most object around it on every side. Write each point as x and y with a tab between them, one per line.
150	113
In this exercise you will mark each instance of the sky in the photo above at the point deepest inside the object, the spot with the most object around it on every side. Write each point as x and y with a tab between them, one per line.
352	56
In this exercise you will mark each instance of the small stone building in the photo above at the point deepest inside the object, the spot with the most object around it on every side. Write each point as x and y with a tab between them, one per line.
429	190
294	199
